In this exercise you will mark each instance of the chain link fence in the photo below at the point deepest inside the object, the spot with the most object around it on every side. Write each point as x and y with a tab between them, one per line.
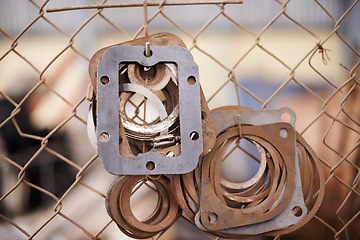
260	54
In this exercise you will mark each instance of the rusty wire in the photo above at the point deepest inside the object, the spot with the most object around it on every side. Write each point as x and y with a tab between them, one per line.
340	107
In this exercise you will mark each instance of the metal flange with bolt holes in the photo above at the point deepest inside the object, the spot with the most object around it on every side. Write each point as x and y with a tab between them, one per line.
279	134
108	88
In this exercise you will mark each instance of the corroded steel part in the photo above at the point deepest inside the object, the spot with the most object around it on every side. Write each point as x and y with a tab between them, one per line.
234	116
118	206
311	172
227	217
270	186
272	202
275	187
260	172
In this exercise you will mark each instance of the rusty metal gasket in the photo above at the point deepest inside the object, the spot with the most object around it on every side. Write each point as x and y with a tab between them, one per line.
258	175
118	207
207	130
313	193
227	217
229	116
262	194
113	210
311	170
170	207
186	191
160	39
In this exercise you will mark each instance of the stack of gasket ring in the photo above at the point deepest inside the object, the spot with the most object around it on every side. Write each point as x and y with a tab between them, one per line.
263	205
282	196
165	214
255	207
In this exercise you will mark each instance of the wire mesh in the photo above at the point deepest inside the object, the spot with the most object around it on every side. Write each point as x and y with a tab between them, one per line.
322	67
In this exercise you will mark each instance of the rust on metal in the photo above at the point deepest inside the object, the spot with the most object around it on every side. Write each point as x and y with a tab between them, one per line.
119	209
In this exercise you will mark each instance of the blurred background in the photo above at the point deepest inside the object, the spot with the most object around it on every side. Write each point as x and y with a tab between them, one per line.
262	54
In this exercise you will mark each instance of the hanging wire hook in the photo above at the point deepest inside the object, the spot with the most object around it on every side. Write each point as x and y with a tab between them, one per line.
147	49
324	55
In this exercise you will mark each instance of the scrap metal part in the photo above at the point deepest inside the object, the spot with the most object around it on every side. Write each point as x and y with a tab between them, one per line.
108	112
265	207
197	131
274	201
118	206
266	125
277	203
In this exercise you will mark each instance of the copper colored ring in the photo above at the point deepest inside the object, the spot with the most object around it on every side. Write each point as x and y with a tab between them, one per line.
310	169
159	212
169	209
113	210
248	131
258	192
180	196
254	179
118	198
264	197
246	196
256	202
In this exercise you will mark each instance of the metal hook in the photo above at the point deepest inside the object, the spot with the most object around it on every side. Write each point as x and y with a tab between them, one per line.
147	49
239	125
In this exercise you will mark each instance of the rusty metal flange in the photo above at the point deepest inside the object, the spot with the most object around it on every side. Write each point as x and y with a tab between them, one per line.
230	117
228	217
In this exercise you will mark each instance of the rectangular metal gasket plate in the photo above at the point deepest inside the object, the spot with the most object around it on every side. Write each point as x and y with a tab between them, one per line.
226	119
108	111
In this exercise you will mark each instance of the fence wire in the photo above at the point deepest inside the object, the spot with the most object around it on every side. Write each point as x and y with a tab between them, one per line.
66	187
